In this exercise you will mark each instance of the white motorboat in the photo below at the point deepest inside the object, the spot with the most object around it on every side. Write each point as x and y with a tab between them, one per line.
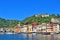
9	33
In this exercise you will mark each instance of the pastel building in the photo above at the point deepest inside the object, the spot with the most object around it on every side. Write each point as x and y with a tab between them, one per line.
34	26
55	25
49	28
37	15
45	15
7	29
56	28
24	28
1	29
17	28
43	27
29	28
39	28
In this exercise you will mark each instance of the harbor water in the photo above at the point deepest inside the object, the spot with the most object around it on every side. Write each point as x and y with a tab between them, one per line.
32	36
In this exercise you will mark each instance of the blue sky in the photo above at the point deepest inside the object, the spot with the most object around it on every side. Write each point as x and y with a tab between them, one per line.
20	9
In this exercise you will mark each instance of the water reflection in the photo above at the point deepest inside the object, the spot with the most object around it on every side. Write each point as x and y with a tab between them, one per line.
35	36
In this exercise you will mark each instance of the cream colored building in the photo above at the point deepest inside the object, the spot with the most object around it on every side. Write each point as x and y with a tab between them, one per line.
24	29
43	27
39	28
56	28
55	23
29	28
45	15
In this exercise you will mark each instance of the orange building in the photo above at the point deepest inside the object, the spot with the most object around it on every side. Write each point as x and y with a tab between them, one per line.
17	29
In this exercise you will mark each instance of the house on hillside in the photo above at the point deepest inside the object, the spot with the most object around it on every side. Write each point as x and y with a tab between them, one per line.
37	15
45	15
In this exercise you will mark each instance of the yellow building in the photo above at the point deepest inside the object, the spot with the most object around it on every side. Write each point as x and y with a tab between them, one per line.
29	28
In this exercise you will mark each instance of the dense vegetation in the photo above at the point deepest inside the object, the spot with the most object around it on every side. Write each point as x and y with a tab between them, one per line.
8	23
31	19
39	19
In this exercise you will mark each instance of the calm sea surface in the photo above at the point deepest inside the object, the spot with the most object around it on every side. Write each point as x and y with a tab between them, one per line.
33	36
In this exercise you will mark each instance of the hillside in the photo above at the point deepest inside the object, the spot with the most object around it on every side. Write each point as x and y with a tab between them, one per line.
35	18
39	19
8	23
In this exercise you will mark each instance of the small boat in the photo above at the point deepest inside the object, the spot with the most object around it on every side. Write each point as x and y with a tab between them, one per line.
9	33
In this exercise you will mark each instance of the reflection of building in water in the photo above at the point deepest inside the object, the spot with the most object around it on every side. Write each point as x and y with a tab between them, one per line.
29	35
52	36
